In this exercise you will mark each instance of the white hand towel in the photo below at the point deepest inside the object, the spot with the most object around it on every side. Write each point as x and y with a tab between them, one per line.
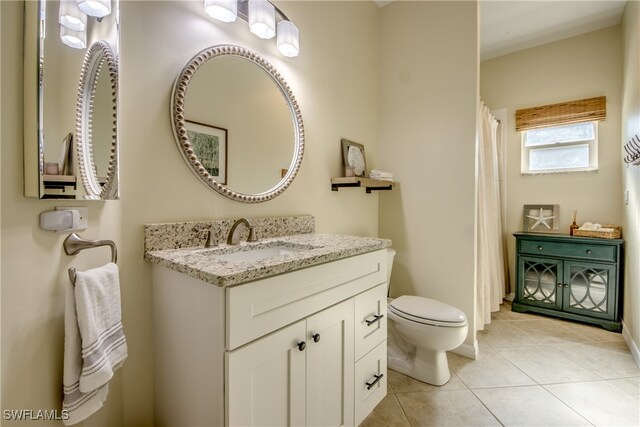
95	345
381	175
77	405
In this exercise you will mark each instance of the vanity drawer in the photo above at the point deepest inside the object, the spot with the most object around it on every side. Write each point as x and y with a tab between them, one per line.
575	250
370	319
371	381
254	309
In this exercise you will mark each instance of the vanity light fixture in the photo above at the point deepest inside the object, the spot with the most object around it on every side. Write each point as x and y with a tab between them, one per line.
262	17
73	38
71	16
222	10
97	8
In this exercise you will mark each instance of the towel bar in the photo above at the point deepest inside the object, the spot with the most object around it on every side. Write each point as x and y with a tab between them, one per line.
74	244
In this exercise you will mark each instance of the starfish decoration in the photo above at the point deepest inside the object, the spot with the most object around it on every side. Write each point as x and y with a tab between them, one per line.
540	219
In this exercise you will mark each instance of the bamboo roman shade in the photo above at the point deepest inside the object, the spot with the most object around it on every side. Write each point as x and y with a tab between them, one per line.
584	110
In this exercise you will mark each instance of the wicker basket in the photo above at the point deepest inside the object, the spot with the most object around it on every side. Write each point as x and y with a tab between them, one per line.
614	234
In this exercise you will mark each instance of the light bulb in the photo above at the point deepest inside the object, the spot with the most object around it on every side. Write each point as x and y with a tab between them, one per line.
73	38
262	19
222	10
71	17
97	8
288	40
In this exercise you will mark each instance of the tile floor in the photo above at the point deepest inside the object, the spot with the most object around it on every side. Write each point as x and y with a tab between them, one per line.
531	371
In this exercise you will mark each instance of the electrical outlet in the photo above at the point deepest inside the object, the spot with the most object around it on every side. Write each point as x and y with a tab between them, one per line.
626	197
84	215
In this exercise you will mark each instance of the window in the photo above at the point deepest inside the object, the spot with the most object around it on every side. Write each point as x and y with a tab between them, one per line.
566	148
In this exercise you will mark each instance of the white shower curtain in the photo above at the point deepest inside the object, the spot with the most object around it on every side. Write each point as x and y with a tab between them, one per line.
490	268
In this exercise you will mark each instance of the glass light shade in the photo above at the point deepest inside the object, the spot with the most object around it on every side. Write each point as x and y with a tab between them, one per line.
262	19
97	8
71	17
222	10
73	38
288	40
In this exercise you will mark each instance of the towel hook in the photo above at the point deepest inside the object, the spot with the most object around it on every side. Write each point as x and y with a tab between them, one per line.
74	244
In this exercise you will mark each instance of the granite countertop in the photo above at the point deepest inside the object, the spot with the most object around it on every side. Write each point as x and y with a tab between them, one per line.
202	263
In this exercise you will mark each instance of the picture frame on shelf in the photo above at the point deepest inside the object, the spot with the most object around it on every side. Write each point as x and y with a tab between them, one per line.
64	155
353	156
210	147
541	218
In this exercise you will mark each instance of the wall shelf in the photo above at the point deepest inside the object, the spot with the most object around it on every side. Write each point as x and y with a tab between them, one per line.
356	181
59	186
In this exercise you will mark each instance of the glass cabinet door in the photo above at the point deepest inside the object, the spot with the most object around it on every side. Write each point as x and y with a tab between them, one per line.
588	289
540	282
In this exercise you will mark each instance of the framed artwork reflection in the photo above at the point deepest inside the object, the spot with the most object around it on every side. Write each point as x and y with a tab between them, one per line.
64	155
210	147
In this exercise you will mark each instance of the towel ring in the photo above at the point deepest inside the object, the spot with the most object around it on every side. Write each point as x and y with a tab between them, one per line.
74	244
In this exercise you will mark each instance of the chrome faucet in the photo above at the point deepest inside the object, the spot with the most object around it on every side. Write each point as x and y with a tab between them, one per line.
233	239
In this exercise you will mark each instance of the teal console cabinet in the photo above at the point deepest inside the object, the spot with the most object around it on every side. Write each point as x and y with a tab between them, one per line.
577	278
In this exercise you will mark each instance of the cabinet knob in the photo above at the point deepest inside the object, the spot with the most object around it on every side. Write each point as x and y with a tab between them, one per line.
302	345
316	337
588	251
566	286
539	247
559	285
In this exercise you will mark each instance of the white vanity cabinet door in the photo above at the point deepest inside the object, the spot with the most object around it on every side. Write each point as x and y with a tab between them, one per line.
370	319
330	366
265	380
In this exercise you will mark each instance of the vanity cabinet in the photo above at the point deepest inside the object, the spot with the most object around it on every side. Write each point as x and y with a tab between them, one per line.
577	278
303	348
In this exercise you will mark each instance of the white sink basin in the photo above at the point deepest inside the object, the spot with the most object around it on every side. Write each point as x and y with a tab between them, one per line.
257	253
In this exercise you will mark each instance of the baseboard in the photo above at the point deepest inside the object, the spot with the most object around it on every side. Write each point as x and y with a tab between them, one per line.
468	350
510	297
633	347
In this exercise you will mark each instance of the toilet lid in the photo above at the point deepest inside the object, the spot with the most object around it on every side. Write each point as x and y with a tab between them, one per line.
416	308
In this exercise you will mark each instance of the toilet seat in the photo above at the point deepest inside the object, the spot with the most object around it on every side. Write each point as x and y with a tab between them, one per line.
427	311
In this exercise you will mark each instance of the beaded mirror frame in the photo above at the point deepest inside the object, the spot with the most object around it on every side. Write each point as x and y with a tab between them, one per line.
100	60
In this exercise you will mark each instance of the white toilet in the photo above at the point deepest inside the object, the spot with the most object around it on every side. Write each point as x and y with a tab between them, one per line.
420	331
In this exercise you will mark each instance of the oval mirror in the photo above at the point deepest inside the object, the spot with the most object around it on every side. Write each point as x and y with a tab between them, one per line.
237	124
96	122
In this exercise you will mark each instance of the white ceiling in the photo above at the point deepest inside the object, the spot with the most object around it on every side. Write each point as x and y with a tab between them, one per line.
508	26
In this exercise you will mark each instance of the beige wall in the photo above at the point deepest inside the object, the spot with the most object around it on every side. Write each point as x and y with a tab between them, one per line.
428	98
336	89
631	174
580	67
